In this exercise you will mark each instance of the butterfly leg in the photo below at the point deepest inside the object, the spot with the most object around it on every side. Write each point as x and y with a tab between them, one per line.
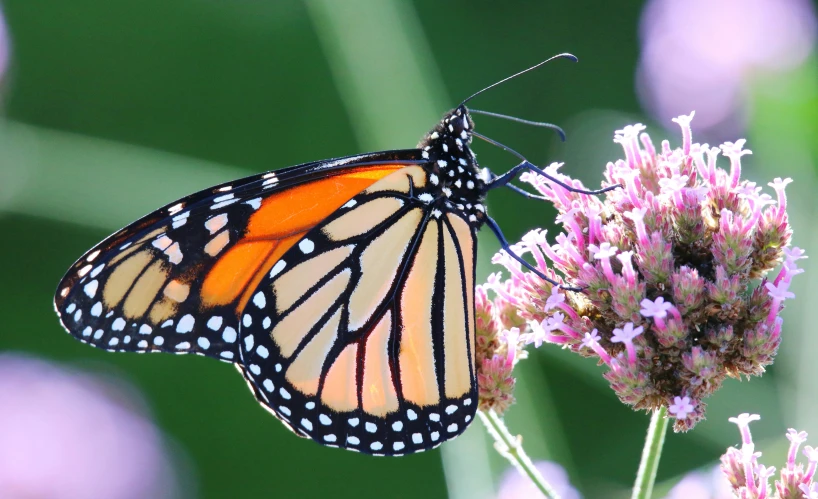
507	248
507	177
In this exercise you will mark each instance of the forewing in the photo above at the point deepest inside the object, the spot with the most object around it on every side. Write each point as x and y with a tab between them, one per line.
362	335
175	280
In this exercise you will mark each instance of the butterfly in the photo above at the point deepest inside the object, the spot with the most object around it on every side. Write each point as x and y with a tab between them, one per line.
342	290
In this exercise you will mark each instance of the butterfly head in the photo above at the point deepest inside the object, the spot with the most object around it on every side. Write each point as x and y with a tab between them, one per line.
453	164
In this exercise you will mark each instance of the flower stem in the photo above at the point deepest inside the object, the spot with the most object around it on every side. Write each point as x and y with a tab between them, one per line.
511	448
643	488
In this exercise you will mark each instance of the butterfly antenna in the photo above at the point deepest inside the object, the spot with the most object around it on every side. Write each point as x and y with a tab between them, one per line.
570	57
543	124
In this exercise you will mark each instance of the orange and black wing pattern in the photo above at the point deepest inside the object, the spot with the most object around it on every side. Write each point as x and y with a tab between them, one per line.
177	280
362	335
342	290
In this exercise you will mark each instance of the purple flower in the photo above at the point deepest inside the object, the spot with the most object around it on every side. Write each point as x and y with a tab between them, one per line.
513	485
4	47
681	407
702	485
591	340
687	302
626	336
700	54
72	435
810	491
750	479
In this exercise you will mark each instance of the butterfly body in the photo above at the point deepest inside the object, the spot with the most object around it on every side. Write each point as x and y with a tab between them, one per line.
342	290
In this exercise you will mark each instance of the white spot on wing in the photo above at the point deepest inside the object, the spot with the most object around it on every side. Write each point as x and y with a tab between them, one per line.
223	203
278	267
260	300
306	246
254	203
185	324
91	288
97	270
214	323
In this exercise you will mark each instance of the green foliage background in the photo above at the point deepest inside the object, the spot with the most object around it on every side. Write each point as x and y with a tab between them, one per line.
114	108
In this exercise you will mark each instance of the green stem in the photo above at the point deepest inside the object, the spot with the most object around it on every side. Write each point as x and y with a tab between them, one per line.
511	447
643	488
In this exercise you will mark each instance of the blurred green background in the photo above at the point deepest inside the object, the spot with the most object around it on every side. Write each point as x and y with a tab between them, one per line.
111	109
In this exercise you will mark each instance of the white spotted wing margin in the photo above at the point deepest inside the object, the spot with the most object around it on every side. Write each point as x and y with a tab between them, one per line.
139	290
366	342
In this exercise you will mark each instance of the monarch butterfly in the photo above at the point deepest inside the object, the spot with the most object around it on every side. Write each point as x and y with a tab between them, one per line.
342	290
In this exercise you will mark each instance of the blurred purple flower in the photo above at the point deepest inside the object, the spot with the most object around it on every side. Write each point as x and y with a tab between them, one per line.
696	54
514	485
702	485
4	46
66	434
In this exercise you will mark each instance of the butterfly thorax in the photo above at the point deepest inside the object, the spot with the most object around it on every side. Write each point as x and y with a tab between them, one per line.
454	175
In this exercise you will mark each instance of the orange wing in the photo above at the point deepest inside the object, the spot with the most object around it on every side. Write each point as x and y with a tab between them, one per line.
176	280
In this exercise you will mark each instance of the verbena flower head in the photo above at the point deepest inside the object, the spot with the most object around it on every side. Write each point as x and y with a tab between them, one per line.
673	267
751	480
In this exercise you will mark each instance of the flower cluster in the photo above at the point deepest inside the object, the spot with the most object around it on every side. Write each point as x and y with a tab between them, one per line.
672	267
497	350
751	480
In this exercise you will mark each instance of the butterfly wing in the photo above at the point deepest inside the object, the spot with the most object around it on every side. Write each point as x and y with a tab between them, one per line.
177	279
362	335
